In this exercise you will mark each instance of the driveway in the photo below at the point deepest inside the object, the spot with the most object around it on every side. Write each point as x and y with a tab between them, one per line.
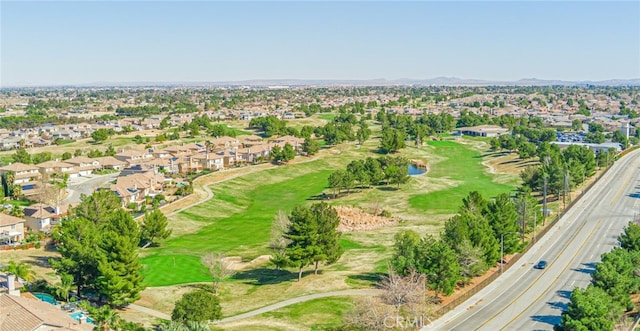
86	185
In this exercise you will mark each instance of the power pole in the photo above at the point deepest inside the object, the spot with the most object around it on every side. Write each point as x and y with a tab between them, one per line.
544	200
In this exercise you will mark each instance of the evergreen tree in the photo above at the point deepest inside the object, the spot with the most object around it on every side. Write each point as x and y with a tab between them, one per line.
154	226
589	309
121	278
503	218
99	206
407	254
79	256
630	238
328	236
440	264
303	239
197	306
21	156
310	146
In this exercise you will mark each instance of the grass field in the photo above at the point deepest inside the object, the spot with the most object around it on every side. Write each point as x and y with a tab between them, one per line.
463	168
316	314
237	221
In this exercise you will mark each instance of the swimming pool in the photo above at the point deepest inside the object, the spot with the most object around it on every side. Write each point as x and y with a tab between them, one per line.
79	314
45	297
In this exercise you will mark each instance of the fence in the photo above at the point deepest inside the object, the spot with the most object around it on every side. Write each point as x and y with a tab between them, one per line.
475	289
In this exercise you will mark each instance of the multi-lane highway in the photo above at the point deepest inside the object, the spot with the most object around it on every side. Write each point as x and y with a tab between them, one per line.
524	298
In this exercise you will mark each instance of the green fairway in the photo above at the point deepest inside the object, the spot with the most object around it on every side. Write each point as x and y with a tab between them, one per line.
238	221
463	165
174	269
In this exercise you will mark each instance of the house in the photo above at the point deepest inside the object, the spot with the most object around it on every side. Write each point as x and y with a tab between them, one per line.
134	157
222	143
252	140
11	229
135	187
211	161
483	131
27	176
110	162
296	143
20	313
254	153
84	165
59	168
39	217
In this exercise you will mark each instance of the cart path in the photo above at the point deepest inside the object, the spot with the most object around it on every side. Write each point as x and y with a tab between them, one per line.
269	308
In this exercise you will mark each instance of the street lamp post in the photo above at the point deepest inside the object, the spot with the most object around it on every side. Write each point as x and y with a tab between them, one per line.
502	249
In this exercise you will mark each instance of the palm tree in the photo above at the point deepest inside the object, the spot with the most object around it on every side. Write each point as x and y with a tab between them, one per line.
21	270
105	318
64	287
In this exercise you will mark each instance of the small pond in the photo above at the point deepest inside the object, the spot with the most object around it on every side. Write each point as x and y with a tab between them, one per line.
415	170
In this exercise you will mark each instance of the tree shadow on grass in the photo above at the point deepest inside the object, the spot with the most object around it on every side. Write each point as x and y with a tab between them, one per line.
387	188
264	276
368	278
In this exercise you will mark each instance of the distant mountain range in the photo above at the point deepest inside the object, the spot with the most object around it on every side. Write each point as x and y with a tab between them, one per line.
438	81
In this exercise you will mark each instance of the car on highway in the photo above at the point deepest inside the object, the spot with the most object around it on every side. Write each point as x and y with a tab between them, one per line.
541	264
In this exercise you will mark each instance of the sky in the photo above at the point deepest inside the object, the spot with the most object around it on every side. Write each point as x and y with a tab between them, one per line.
73	42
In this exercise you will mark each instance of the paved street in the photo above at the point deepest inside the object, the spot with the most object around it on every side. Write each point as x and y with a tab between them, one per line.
86	185
525	298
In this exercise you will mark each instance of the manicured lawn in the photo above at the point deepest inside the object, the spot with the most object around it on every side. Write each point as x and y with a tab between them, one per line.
238	221
162	270
462	165
316	314
327	116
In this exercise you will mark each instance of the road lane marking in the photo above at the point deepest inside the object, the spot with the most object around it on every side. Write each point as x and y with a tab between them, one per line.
622	187
535	281
556	279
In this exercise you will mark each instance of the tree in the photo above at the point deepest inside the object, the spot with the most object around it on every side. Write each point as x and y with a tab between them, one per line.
65	286
197	306
105	318
22	156
503	218
99	206
21	270
440	264
220	269
77	152
41	157
303	238
589	309
310	146
100	135
407	254
66	156
392	140
276	153
615	274
154	226
278	243
630	238
79	255
327	221
288	153
121	279
576	125
337	181
401	290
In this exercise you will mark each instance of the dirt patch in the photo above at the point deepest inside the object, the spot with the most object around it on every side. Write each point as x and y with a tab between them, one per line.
507	163
237	264
356	219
